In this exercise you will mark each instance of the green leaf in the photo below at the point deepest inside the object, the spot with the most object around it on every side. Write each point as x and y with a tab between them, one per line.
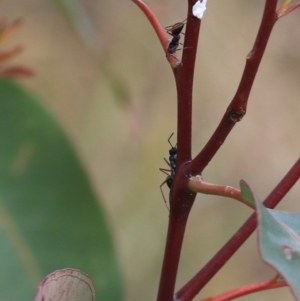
279	242
66	285
50	217
246	193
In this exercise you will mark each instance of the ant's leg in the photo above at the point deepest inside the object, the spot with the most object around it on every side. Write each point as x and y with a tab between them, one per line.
167	162
176	58
162	193
165	171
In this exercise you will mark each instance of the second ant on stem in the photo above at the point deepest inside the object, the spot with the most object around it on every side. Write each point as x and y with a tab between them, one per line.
169	172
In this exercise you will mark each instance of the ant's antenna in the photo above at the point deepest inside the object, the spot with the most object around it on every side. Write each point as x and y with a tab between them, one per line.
170	141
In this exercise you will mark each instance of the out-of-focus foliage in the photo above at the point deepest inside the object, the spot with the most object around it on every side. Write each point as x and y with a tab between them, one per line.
6	31
49	215
78	16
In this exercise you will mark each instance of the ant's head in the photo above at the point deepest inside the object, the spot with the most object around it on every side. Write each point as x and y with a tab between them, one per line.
173	151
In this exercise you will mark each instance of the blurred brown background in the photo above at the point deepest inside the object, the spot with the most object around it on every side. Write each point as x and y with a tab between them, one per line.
104	75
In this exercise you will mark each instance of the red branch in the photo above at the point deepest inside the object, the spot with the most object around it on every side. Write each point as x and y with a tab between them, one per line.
184	76
193	287
249	289
237	108
181	200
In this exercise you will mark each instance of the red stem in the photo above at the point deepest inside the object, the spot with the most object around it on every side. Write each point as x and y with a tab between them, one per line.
160	31
172	254
237	108
248	289
161	34
181	200
184	76
193	287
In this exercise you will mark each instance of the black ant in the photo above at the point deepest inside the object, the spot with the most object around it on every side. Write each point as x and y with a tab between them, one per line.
169	172
175	31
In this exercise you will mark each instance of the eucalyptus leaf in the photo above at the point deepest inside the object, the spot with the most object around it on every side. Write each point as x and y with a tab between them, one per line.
279	241
50	218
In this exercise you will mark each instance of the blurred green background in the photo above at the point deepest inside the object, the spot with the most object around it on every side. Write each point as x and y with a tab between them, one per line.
101	70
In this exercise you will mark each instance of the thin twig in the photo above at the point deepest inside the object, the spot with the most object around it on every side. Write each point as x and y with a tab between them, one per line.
196	184
160	31
249	289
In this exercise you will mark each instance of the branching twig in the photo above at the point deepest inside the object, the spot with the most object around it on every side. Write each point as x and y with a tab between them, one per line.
237	108
182	193
192	288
